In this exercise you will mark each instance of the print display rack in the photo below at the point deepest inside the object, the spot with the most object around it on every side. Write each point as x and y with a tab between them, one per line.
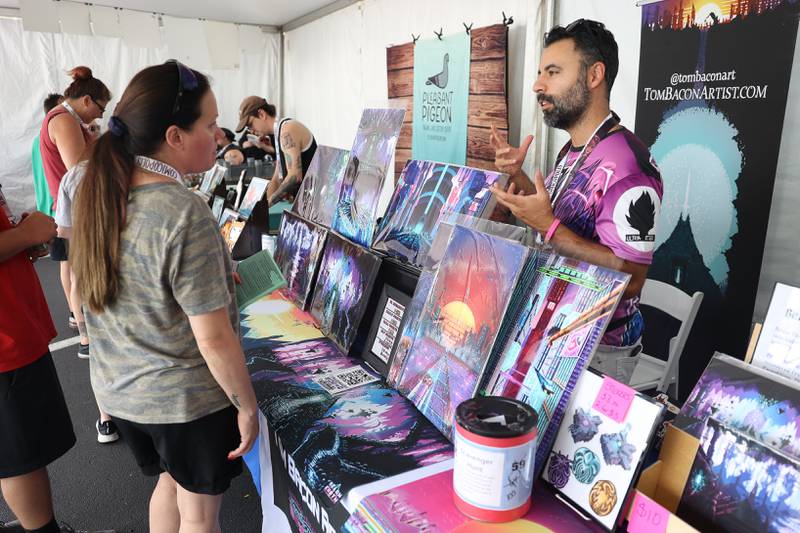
407	318
338	445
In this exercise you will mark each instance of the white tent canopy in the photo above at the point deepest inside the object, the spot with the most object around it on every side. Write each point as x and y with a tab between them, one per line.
260	13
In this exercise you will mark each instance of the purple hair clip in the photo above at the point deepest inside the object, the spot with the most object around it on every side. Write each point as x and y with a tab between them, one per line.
117	127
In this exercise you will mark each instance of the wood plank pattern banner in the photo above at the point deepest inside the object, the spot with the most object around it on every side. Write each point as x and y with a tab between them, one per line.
488	93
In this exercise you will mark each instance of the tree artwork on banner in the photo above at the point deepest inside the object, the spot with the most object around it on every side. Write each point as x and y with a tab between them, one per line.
711	109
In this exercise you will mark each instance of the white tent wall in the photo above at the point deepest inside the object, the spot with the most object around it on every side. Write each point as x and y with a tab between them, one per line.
335	66
35	64
623	19
782	249
781	260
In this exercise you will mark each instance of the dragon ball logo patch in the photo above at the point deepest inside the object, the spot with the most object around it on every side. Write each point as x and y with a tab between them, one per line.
635	217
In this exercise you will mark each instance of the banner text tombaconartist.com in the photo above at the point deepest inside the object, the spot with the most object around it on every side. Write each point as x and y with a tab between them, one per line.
729	92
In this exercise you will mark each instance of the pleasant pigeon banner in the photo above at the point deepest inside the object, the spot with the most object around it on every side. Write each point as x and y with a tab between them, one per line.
713	83
441	94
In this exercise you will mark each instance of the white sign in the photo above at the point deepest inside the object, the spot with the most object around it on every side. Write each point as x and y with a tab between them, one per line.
387	330
778	348
343	380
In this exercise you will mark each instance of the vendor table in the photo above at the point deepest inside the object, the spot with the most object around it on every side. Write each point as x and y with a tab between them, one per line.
357	458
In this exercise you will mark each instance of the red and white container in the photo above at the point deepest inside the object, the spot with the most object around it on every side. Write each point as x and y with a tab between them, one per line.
495	451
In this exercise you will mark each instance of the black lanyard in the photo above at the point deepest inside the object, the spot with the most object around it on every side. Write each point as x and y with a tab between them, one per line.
561	176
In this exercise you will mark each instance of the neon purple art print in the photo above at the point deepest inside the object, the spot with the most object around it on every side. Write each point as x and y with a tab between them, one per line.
746	398
427	195
738	484
298	253
460	322
338	441
542	373
346	276
365	173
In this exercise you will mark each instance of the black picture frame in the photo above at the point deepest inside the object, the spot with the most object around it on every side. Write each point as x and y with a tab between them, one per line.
396	280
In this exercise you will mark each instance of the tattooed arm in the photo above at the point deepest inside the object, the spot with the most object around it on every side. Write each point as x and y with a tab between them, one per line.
275	180
291	141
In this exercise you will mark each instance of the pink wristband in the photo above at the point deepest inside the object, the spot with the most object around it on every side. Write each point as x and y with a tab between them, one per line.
552	230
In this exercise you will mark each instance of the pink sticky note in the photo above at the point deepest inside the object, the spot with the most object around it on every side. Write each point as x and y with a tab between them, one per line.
614	399
647	516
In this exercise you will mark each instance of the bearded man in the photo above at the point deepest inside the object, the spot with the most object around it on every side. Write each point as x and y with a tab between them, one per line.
601	202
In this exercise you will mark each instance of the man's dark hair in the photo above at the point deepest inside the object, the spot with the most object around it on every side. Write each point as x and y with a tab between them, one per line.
269	109
593	41
228	134
52	100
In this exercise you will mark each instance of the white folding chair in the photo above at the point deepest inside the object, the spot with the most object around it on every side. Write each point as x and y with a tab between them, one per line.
652	372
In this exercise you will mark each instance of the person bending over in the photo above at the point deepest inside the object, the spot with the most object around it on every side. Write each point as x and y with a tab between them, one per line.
62	140
294	145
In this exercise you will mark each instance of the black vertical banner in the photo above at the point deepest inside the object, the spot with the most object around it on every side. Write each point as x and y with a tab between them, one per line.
713	82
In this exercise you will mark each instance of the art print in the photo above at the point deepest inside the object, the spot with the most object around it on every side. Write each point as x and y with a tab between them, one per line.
427	195
365	173
338	441
318	195
749	399
298	253
346	277
459	323
228	215
559	327
595	460
738	484
255	192
212	178
410	325
217	207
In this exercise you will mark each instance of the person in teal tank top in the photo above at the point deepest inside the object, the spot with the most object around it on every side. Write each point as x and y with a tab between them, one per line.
44	202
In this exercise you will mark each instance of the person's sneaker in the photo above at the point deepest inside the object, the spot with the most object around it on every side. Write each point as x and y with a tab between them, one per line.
66	528
11	527
106	431
83	351
73	324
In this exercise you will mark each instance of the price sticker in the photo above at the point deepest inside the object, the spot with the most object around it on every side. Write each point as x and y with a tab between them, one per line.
647	516
614	399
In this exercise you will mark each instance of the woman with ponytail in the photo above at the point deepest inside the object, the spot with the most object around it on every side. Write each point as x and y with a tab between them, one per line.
157	285
63	137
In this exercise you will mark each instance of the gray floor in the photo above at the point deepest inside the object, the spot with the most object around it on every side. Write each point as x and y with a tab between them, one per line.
99	486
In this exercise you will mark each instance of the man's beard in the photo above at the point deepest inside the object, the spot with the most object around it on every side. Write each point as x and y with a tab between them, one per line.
567	109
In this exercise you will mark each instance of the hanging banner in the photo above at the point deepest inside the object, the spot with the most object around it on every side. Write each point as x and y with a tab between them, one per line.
441	94
713	82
